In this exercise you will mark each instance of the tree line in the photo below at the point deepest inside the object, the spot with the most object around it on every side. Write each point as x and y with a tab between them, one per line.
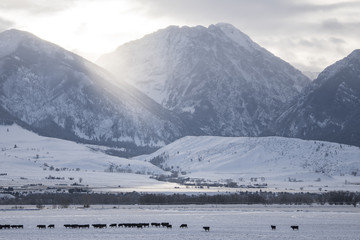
259	197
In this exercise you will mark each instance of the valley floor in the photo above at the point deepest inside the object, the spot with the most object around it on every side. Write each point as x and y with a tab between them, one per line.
225	222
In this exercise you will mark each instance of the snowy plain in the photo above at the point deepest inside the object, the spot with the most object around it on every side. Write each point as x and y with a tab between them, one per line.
230	222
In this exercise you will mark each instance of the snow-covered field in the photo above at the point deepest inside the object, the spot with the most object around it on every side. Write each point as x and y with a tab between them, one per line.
225	222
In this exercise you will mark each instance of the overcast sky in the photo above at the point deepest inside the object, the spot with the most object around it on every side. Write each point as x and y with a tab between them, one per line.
308	34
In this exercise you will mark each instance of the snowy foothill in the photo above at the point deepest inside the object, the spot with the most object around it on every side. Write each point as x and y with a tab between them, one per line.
28	159
275	162
230	222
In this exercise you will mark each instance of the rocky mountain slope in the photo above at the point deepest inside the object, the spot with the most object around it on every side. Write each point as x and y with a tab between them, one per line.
60	94
217	77
329	109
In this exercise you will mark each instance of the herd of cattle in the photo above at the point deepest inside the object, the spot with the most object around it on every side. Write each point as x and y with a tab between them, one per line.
11	226
124	225
113	225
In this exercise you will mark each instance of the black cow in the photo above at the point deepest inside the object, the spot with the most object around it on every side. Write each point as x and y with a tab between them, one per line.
155	224
164	224
84	226
51	226
16	226
183	226
169	226
207	229
99	225
295	227
113	225
5	226
273	227
41	226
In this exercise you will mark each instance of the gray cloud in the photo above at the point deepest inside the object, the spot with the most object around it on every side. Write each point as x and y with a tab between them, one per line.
335	26
320	44
337	40
310	53
337	6
235	10
238	9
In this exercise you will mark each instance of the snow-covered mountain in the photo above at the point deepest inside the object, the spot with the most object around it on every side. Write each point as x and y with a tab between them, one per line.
244	159
215	77
60	94
329	109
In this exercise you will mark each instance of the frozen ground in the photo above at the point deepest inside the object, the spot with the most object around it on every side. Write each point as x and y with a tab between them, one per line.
225	221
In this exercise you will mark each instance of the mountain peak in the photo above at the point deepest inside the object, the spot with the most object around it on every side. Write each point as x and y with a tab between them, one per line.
354	54
14	31
238	36
10	40
356	51
349	61
15	35
226	25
